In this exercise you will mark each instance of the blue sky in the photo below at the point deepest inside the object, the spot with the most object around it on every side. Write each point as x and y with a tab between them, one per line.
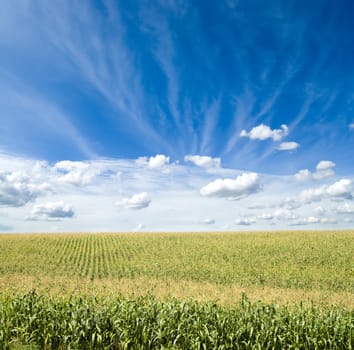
253	99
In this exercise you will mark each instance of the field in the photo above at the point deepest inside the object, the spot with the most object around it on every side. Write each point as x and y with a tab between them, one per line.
301	278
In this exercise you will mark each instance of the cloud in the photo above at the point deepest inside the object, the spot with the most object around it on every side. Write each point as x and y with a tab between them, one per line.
203	161
324	169
75	173
351	126
16	189
51	211
265	216
156	162
244	185
263	132
208	221
346	208
306	221
245	221
320	211
310	220
284	214
135	202
303	175
139	228
288	146
339	189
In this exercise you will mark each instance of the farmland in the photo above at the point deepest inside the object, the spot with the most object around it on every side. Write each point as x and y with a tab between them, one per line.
304	275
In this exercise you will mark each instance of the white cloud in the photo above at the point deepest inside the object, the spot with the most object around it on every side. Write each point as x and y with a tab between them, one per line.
288	146
16	189
75	173
158	161
346	208
208	221
177	204
155	162
284	214
328	221
266	216
135	202
242	186
339	189
245	221
289	203
351	126
320	211
203	161
325	165
306	221
324	169
263	132
139	228
303	175
51	211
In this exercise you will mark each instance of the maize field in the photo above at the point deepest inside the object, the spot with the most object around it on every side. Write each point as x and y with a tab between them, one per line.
177	291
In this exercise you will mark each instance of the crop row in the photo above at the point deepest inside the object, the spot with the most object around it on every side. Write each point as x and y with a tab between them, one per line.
145	323
279	260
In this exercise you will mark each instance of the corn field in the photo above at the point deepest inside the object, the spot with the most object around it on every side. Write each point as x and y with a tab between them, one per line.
177	291
40	322
310	260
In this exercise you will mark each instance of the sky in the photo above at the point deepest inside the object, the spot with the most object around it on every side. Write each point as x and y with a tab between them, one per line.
176	115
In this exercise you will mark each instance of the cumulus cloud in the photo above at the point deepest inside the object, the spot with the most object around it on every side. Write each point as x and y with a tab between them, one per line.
303	175
306	221
245	221
324	169
244	185
284	214
339	189
266	216
52	211
135	202
16	189
208	221
320	211
351	126
158	161
155	162
311	220
203	161
346	208
75	173
263	132
288	146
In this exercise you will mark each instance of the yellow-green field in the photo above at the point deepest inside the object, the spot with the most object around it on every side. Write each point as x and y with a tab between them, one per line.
279	266
281	290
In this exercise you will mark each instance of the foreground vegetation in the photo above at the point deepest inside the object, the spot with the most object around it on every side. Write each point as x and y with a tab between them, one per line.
145	323
177	291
